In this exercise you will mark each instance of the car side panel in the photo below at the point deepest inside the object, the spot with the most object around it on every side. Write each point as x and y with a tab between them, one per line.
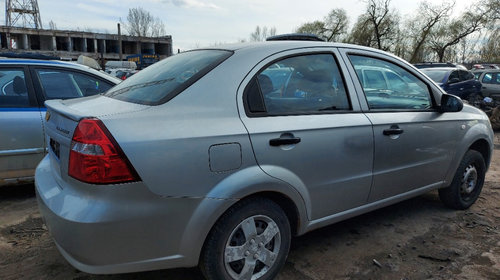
22	144
418	157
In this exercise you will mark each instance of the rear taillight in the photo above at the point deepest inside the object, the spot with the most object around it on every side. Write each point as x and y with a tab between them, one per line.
96	158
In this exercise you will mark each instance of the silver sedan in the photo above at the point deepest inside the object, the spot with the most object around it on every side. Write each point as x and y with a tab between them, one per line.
217	157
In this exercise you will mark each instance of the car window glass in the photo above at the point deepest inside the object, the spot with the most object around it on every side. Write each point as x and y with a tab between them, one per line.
66	84
14	92
497	78
399	89
89	85
396	82
163	80
487	78
453	75
470	76
302	85
374	79
465	75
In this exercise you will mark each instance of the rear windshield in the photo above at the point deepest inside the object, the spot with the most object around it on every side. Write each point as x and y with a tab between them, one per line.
163	80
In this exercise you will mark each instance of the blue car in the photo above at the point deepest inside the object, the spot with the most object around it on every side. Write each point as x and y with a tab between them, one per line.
24	86
459	82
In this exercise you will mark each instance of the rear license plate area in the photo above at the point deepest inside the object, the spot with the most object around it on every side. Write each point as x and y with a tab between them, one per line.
55	147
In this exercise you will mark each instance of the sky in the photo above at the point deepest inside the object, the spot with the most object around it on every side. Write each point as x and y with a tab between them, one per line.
202	23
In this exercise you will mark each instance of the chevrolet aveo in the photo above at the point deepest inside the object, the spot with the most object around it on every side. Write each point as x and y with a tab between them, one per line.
217	157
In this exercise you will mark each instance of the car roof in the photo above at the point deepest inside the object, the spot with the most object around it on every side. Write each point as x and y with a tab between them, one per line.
276	46
489	70
57	63
4	60
441	69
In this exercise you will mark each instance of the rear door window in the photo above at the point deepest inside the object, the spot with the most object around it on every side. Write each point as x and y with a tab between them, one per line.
163	80
305	84
13	89
64	84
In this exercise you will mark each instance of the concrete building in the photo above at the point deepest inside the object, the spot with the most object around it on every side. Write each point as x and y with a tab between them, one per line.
70	44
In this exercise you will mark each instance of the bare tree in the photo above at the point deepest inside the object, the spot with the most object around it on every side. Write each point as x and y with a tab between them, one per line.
451	32
489	51
316	27
421	26
362	33
142	23
331	29
378	15
52	25
377	27
260	34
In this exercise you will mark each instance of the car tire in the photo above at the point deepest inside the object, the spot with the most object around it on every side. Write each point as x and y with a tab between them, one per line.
467	183
251	239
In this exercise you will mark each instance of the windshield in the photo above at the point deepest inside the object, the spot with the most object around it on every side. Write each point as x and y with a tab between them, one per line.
163	80
436	75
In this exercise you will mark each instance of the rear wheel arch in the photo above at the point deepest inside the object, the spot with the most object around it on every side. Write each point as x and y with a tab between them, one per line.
284	202
207	215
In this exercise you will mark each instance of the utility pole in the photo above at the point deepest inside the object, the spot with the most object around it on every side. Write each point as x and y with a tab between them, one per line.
120	43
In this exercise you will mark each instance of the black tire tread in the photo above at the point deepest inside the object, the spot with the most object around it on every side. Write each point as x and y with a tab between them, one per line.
450	196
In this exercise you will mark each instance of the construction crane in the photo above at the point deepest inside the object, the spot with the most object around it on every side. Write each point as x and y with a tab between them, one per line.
24	13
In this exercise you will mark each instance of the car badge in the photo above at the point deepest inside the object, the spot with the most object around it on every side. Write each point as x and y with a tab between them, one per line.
47	116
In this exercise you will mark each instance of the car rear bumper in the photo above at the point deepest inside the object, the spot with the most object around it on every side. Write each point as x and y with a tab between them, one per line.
123	228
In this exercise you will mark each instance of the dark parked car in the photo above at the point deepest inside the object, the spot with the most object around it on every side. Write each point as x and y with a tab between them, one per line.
459	82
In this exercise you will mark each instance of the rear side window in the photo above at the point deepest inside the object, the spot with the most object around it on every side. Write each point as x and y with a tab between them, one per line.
13	90
163	80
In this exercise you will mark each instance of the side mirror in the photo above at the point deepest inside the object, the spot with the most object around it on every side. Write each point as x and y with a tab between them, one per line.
450	103
453	81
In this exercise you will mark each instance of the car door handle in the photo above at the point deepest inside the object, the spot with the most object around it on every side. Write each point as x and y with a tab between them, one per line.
284	141
484	87
394	130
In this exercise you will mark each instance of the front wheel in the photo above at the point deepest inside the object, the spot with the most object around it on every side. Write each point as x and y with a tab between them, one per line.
250	241
466	186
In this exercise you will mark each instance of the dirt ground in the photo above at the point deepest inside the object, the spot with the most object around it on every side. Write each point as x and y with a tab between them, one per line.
415	239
